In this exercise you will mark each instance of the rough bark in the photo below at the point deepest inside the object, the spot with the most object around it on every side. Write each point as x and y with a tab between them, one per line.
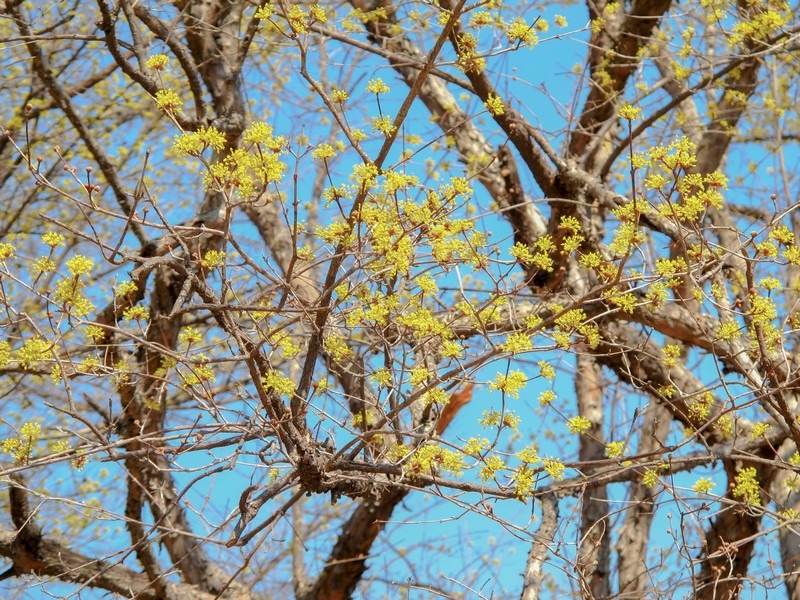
730	540
533	576
783	490
348	559
623	34
594	551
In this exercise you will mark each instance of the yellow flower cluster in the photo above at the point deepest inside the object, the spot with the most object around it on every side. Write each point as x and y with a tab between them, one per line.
493	418
53	239
136	313
245	171
200	372
492	465
475	446
510	384
168	100
615	449
571	322
376	86
629	112
21	447
554	467
32	351
579	425
212	259
761	25
519	32
494	104
194	143
280	384
190	336
79	265
759	430
157	62
701	408
337	348
747	487
517	342
703	485
546	397
125	288
672	353
432	458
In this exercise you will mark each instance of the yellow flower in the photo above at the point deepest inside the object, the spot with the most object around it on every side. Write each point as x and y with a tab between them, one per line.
554	468
32	351
481	18
212	258
747	486
135	313
703	485
494	104
125	288
318	13
759	430
435	396
168	100
418	376
650	478
339	96
323	152
259	133
5	353
21	446
451	349
510	384
672	353
382	377
546	397
520	32
529	455
491	467
43	264
629	112
200	373
194	143
579	425
277	382
95	333
397	452
337	348
546	370
158	62
383	125
615	449
376	86
190	335
475	446
263	13
53	239
517	342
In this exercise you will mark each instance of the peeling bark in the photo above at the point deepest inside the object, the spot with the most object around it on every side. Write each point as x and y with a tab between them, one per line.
533	577
594	552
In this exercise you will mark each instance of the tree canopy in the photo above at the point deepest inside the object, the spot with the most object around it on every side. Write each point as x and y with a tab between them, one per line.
376	299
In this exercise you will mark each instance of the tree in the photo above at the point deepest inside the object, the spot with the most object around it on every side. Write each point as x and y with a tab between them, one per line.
295	295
